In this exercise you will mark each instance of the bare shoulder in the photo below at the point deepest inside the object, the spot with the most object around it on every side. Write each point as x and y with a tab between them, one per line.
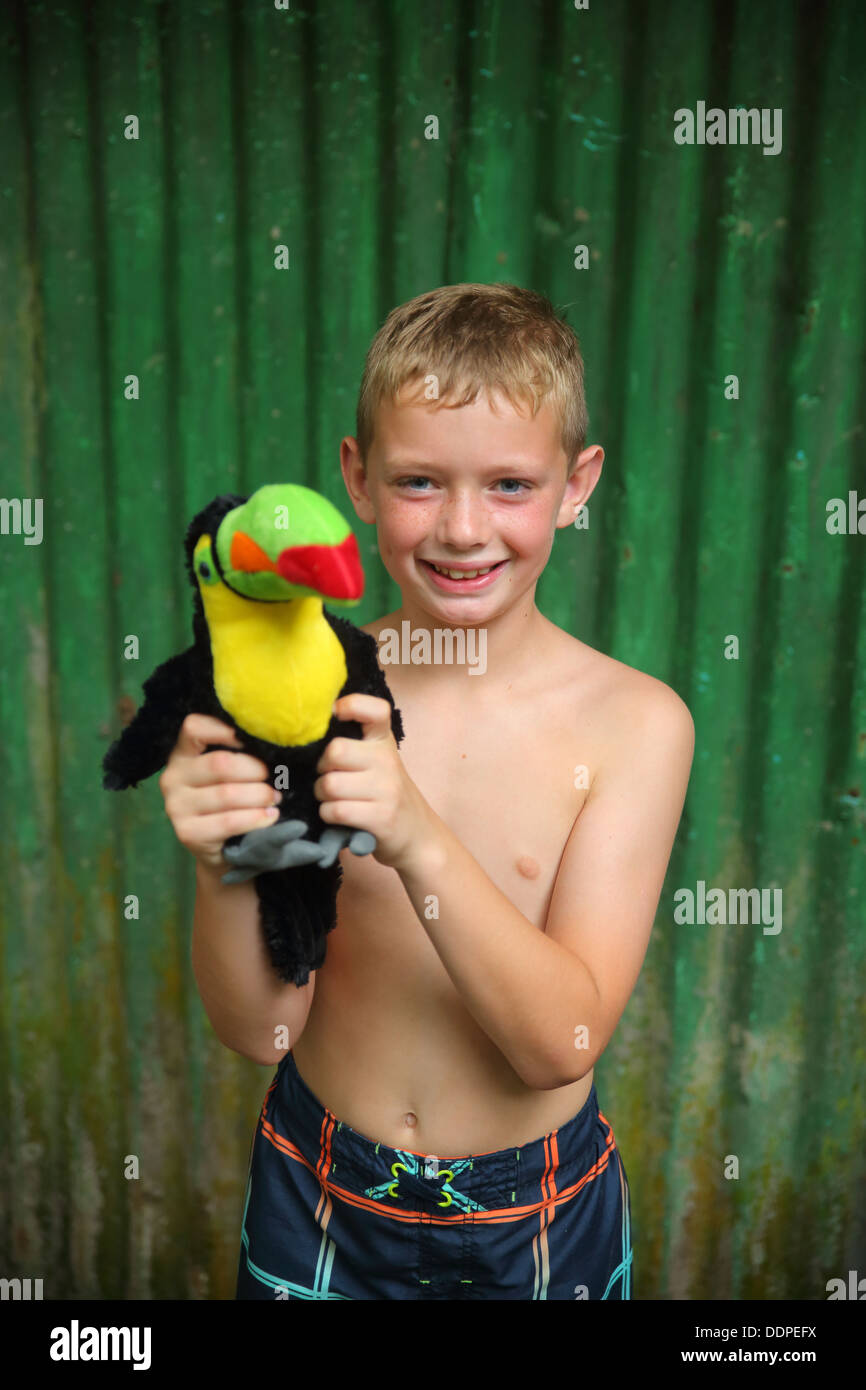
636	691
643	738
624	703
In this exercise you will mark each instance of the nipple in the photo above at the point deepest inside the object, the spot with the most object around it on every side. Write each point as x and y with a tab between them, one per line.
527	866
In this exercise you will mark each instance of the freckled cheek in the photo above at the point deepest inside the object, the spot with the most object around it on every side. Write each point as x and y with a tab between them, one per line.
400	533
528	535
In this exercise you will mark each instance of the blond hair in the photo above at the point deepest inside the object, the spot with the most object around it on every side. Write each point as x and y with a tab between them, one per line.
474	337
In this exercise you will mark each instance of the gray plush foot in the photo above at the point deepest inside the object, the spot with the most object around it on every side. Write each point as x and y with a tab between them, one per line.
338	837
271	847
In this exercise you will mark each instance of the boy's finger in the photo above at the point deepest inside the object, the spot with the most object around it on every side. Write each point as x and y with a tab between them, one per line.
344	755
211	798
222	765
198	730
216	828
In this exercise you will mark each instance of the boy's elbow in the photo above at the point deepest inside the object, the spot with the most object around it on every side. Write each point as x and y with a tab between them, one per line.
556	1082
560	1074
252	1052
269	1058
260	1059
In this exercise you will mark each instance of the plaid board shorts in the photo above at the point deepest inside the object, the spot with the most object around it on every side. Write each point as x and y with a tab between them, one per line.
330	1214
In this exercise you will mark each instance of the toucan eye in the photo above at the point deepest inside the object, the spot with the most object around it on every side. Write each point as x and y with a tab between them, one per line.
204	570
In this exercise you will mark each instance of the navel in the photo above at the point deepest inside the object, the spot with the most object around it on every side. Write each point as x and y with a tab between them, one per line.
410	1119
528	866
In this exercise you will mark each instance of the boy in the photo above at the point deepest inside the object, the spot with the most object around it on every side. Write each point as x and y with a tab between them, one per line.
434	1131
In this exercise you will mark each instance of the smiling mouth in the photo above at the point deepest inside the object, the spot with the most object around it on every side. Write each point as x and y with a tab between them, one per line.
464	573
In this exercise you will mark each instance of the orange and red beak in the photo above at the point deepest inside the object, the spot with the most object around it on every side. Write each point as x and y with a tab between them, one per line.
334	571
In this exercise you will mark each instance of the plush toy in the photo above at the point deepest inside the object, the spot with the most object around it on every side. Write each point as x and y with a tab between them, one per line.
270	661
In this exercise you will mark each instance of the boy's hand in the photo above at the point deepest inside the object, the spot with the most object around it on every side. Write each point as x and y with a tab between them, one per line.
365	785
210	796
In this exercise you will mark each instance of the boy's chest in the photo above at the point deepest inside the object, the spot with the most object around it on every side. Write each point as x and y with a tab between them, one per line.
509	788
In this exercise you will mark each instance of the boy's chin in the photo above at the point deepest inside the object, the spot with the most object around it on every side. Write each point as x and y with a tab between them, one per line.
453	610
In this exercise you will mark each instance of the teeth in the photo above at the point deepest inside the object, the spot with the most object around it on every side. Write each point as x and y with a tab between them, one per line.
462	574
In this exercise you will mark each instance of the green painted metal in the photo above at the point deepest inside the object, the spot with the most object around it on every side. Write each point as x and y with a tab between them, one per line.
305	127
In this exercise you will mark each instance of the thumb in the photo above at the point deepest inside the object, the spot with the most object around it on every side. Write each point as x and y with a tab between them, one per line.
370	711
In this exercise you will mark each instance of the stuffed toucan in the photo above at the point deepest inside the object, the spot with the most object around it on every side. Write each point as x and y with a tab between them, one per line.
269	660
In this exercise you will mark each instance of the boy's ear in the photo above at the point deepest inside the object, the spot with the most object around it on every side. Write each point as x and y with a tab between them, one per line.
355	477
584	474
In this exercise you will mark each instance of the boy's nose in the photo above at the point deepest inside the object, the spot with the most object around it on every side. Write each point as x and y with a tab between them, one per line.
464	521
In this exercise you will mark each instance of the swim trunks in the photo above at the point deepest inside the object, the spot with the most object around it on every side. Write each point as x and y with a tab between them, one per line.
331	1214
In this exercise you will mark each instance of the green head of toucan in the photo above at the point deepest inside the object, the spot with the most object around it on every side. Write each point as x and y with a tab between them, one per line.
284	542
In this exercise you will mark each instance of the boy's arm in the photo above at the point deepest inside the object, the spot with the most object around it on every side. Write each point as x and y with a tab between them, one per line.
614	865
529	990
242	996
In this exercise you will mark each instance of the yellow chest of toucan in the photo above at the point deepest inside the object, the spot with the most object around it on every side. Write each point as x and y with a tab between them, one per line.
277	667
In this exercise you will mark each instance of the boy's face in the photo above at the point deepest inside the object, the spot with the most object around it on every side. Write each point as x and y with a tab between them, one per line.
469	487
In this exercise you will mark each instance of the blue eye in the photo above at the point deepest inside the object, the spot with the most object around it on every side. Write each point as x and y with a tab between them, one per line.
412	482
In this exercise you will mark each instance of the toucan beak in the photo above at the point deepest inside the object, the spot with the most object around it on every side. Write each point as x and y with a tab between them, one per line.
334	571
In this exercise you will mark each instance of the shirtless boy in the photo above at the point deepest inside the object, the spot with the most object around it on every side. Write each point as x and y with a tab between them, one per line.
434	1131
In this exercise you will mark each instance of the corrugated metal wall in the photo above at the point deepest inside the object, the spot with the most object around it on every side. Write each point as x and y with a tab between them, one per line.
155	257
